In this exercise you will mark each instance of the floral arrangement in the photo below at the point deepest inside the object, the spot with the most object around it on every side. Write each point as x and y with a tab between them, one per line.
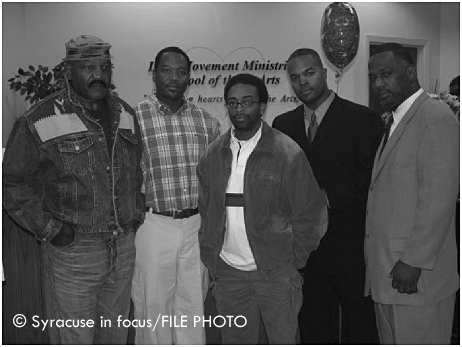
451	100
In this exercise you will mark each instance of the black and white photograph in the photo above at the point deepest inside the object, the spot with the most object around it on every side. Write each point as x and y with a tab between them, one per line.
230	173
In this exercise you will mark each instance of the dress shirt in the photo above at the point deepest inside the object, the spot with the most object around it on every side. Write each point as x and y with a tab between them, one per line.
236	250
320	111
401	110
173	144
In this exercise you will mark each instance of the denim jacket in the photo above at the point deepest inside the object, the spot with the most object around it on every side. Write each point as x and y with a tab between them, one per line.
285	212
57	169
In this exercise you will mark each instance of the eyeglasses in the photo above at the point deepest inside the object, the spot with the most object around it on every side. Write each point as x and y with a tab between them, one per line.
245	104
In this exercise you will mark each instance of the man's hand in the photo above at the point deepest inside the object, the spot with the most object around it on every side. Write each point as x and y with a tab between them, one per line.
405	277
64	237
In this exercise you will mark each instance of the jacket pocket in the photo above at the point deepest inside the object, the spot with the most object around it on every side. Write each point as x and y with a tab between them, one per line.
129	136
267	177
77	155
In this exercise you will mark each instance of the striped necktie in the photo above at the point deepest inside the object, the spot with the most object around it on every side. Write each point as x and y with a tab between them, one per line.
312	128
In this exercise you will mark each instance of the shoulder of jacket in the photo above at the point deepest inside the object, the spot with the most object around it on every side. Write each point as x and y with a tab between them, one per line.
354	106
218	142
41	108
359	112
284	142
54	117
432	110
287	115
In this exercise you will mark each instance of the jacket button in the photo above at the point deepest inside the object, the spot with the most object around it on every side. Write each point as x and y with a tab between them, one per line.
367	236
371	189
367	212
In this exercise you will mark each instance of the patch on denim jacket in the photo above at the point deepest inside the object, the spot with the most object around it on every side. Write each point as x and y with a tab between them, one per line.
58	124
127	121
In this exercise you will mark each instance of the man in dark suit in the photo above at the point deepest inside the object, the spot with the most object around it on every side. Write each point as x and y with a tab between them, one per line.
340	139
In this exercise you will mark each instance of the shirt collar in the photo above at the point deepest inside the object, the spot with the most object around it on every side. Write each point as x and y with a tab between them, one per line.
164	108
253	140
401	110
321	110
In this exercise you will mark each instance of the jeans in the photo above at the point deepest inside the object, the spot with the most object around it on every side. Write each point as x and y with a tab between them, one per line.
246	293
89	279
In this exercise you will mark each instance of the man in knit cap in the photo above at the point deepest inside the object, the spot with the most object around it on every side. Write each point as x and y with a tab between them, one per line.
71	176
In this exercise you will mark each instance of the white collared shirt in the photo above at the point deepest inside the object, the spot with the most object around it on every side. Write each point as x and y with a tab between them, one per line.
402	109
236	250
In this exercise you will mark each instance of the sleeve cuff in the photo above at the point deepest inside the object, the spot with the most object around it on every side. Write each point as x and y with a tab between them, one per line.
50	231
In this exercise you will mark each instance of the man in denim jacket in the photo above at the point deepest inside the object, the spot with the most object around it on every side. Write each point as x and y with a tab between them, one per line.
72	177
262	214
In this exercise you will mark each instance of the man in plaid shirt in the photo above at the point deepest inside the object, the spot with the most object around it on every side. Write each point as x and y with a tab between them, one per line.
168	270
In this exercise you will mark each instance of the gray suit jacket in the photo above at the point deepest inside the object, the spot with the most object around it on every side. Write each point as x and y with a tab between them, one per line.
411	206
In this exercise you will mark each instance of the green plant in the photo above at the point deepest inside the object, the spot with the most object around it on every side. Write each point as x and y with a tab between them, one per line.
38	83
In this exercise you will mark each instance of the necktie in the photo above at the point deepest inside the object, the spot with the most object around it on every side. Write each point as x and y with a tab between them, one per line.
312	128
388	124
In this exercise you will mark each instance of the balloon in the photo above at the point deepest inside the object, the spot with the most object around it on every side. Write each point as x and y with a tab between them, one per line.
340	33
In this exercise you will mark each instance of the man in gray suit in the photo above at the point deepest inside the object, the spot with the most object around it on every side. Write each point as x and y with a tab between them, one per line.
410	244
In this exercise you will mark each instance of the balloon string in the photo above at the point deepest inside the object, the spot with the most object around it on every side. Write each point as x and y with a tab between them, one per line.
338	76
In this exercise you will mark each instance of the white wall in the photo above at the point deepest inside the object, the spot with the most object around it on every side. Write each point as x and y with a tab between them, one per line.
450	44
416	21
138	30
13	57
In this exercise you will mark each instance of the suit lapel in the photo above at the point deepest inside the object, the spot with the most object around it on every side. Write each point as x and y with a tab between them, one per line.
395	136
328	123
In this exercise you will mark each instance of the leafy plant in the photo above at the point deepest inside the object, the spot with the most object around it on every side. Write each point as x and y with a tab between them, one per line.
37	83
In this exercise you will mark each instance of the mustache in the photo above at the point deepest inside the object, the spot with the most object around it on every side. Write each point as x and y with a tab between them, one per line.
97	82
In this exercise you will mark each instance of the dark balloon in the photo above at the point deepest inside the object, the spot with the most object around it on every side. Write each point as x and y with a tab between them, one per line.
340	33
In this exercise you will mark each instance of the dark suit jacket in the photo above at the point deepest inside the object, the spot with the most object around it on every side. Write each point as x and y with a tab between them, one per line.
342	157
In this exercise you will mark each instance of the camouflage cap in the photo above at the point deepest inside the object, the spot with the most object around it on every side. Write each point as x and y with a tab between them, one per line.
87	47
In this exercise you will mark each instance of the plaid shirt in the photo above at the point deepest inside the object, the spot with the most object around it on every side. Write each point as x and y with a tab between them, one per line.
173	144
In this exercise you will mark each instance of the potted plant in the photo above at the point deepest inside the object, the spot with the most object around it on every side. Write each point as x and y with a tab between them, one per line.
36	83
